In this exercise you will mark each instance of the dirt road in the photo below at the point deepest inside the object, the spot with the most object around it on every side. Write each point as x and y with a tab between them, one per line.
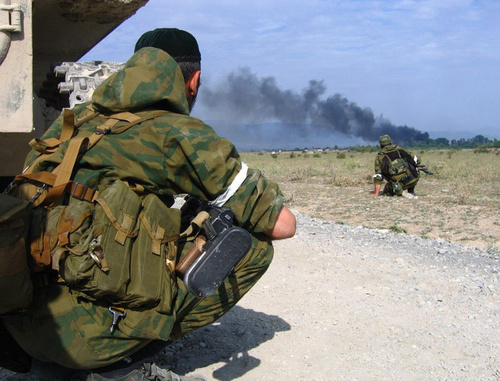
347	303
350	303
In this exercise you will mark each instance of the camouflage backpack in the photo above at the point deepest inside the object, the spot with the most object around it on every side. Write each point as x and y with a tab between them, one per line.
110	245
398	168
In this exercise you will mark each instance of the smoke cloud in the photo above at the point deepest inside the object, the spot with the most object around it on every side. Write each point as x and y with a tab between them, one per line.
245	100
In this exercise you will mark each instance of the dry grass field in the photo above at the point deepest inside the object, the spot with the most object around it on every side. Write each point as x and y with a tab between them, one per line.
460	203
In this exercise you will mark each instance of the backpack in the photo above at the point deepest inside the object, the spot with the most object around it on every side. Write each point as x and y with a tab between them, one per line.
111	245
398	167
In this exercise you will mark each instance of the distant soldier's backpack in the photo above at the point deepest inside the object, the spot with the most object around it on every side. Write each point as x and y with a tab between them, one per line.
398	167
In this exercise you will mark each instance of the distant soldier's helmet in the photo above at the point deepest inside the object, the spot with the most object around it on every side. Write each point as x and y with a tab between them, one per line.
385	140
181	45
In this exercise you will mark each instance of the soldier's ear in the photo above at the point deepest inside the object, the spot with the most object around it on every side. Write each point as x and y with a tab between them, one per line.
193	83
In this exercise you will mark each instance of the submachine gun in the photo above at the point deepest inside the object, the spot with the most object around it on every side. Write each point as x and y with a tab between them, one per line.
216	251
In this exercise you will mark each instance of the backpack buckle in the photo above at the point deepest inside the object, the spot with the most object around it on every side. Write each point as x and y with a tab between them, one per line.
39	191
79	191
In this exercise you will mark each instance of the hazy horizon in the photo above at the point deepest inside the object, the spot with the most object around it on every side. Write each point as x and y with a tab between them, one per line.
432	66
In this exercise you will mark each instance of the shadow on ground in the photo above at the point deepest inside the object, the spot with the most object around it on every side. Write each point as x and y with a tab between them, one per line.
228	341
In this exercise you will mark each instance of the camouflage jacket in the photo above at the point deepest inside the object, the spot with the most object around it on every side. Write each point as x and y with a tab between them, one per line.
171	154
381	171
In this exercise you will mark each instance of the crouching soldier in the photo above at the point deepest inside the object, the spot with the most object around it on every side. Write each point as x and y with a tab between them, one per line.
396	166
96	318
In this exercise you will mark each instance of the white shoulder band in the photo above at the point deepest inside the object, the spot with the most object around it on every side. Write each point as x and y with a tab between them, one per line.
231	190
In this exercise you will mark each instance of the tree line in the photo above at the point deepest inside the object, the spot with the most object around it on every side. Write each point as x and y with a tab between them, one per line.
478	141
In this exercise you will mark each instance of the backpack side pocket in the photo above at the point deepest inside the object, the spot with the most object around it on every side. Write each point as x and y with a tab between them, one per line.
152	278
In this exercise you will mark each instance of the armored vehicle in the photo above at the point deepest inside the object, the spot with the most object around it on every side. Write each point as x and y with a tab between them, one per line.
40	44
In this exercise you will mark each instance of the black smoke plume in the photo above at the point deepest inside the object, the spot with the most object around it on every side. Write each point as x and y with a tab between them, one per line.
245	99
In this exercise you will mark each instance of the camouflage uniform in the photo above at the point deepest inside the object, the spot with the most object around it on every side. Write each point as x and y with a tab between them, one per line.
381	169
171	154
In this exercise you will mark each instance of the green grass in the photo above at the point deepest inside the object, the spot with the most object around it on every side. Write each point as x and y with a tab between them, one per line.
461	200
397	229
464	177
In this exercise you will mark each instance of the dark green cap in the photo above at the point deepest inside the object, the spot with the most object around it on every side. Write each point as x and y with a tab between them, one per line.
385	140
181	45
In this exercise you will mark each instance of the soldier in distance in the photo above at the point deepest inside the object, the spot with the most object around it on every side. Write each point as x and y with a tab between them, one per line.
396	166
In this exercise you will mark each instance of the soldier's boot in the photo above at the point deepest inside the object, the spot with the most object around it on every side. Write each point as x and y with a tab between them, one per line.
409	195
148	371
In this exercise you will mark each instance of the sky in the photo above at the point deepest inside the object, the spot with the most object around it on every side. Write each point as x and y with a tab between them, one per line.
430	65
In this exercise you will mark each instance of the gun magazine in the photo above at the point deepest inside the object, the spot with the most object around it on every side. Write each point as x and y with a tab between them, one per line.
209	270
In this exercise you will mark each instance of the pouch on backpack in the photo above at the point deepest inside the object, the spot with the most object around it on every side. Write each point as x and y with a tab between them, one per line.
117	249
152	278
96	259
16	287
398	169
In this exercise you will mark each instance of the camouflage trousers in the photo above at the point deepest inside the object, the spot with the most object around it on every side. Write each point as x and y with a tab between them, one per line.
66	329
394	189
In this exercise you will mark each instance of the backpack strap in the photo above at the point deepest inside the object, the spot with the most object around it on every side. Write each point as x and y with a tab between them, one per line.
59	180
132	120
49	146
63	176
393	155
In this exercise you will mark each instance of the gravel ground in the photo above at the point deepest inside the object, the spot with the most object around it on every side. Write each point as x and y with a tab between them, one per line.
350	303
